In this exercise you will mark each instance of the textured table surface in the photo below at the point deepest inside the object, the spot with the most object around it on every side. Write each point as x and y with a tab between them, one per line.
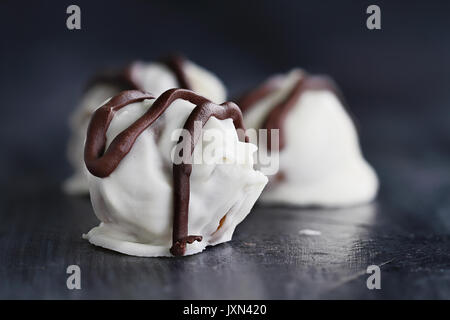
406	232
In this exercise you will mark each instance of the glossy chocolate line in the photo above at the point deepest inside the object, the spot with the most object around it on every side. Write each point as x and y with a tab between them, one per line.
176	64
248	100
98	161
102	163
277	115
182	172
126	79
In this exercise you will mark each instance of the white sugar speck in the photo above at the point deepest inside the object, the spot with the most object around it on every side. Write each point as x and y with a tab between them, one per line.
309	232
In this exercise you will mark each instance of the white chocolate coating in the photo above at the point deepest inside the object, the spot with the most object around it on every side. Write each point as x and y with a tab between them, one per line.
152	77
321	163
134	203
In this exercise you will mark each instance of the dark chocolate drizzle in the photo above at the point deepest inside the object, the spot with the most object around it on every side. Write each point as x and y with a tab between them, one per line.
277	115
176	64
251	97
125	79
102	163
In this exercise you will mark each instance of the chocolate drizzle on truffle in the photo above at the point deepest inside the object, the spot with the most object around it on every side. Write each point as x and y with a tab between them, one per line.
102	163
277	115
176	64
126	78
247	101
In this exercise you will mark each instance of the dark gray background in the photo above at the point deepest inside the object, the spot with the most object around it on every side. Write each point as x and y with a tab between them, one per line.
396	81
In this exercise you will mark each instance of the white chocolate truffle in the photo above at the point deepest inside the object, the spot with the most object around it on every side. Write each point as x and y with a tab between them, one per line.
135	202
155	77
321	163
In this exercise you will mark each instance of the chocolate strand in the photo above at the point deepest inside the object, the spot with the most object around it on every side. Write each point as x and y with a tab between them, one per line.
126	79
102	163
277	116
98	161
265	89
182	172
176	64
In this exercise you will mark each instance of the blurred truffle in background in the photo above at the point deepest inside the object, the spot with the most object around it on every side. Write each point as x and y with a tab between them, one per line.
320	160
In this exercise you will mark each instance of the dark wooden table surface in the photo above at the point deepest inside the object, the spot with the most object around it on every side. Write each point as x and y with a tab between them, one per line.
406	232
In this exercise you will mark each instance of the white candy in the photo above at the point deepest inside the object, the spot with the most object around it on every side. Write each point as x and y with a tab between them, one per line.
134	203
154	78
322	163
